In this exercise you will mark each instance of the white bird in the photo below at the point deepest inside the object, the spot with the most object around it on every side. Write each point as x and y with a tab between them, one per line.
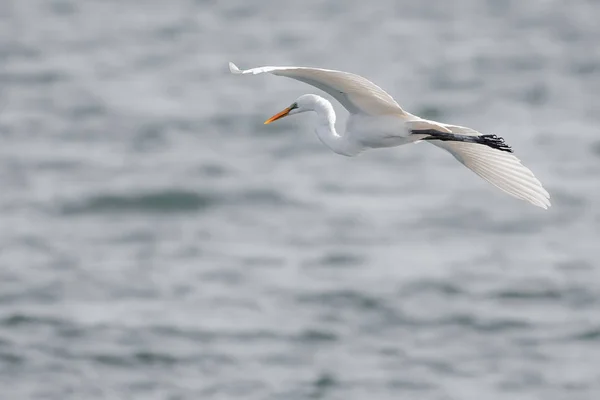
377	121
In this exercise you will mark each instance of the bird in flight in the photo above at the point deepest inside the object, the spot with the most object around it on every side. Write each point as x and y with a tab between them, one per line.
377	121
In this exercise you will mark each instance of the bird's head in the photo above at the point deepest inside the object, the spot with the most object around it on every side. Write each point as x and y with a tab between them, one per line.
302	104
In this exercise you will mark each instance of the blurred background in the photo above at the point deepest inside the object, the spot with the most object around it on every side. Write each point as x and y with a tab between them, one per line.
157	241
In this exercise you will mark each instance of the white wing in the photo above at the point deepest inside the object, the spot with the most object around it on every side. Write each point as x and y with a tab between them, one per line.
355	93
500	168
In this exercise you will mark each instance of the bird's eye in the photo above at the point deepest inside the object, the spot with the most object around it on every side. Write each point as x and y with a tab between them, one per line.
295	105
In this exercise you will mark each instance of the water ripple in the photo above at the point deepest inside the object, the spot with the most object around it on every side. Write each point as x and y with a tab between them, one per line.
19	320
343	299
168	201
175	201
592	334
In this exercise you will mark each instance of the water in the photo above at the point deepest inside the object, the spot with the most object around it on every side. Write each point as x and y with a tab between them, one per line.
158	242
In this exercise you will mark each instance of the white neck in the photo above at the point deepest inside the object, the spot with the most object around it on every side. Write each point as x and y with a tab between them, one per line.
326	131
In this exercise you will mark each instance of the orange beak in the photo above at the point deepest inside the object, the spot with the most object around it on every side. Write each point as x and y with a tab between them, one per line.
279	115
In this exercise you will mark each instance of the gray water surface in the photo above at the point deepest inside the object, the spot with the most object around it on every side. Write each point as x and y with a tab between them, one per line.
157	241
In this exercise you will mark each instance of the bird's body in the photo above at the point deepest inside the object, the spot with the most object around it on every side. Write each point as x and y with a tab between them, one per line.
377	121
384	131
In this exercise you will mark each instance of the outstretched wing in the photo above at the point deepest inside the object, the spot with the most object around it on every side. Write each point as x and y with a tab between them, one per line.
500	168
355	93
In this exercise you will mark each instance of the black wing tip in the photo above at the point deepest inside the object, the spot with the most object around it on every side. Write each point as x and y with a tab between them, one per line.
495	142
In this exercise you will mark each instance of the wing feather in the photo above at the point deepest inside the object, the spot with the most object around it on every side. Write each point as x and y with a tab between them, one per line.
355	93
501	169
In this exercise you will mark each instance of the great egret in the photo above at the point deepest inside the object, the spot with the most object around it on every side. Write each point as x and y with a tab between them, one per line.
376	121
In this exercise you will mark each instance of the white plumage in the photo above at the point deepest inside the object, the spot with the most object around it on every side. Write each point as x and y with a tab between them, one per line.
376	121
354	92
